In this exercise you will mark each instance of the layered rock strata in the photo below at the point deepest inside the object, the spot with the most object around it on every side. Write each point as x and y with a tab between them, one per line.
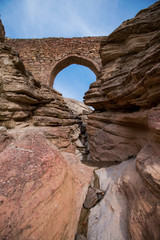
126	95
42	181
124	126
26	102
130	58
81	111
23	99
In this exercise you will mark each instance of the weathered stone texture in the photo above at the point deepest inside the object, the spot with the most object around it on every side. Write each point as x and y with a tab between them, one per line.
78	108
24	101
124	126
129	209
42	190
21	94
126	95
45	58
43	182
130	57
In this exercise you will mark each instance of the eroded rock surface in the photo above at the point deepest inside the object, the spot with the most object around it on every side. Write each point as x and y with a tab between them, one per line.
42	181
94	195
126	94
78	108
125	125
26	102
25	99
108	219
129	209
130	57
42	190
80	111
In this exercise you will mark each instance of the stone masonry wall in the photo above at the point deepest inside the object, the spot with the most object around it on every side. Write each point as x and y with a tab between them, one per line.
46	57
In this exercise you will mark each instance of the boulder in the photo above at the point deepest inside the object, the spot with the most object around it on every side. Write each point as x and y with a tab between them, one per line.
80	237
94	195
78	108
42	190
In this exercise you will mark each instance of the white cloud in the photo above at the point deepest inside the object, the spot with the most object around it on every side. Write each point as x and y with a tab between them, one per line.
66	18
39	18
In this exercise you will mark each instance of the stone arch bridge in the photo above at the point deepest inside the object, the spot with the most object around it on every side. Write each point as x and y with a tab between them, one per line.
46	57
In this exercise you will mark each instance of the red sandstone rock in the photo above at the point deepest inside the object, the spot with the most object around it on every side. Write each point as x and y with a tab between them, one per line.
115	137
42	191
118	136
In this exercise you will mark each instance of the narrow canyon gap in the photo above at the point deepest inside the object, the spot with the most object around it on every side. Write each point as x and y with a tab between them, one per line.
43	181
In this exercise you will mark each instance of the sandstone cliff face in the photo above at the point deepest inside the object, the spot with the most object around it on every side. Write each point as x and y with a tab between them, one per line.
130	58
25	99
124	126
126	95
42	182
26	102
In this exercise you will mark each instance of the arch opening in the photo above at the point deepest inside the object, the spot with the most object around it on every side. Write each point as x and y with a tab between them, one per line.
74	81
73	59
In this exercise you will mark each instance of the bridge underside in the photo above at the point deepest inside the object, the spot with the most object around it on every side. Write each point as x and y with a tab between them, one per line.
73	59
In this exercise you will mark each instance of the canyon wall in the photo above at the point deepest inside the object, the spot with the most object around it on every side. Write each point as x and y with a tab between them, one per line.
126	95
43	183
125	128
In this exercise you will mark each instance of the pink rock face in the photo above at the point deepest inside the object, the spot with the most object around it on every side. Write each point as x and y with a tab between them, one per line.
41	192
143	204
148	166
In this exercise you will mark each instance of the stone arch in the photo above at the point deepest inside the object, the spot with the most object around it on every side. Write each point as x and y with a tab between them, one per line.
73	59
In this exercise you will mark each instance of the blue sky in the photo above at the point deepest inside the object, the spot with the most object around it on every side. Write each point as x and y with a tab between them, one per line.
67	18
